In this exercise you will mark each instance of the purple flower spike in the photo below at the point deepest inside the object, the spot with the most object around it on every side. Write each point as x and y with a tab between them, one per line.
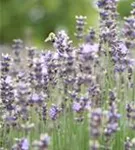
53	112
24	144
77	106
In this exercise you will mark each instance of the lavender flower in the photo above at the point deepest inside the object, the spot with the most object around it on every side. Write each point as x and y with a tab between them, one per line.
112	123
22	144
10	120
17	47
80	21
25	144
95	128
5	63
90	38
95	122
131	115
129	143
94	145
43	143
112	97
63	44
77	106
54	112
44	112
36	98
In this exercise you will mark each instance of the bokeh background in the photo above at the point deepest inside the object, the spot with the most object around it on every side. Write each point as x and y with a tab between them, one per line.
32	20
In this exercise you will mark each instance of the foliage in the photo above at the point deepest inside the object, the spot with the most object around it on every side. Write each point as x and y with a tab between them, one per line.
33	20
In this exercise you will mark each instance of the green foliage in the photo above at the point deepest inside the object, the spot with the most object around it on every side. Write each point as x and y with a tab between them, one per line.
124	7
33	20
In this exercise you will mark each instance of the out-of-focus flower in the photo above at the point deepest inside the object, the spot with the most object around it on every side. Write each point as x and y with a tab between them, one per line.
54	112
43	143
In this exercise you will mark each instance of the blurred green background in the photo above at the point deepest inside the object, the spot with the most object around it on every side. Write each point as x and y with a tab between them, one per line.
32	20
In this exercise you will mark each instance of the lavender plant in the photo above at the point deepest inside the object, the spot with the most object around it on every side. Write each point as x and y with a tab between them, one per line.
81	96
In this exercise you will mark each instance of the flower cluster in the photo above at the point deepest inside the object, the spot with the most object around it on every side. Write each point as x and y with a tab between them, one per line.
54	91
